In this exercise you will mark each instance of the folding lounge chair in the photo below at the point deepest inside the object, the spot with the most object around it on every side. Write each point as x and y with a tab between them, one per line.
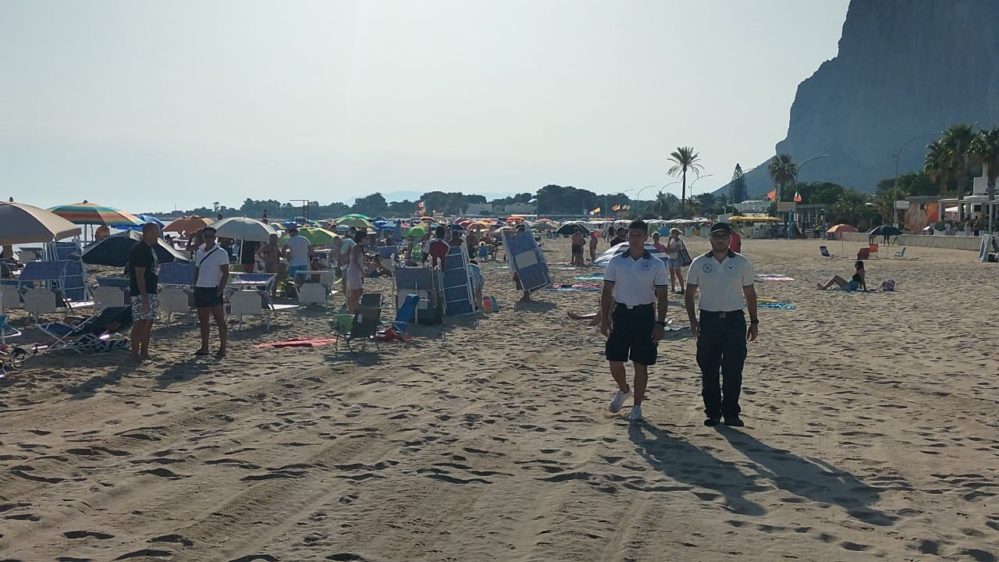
824	251
362	326
900	253
248	303
406	313
105	297
873	249
101	332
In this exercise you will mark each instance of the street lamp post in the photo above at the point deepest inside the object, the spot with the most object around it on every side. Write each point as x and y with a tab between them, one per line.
697	179
790	214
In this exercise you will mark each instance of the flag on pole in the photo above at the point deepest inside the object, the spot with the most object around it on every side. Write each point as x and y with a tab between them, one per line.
595	211
797	197
772	195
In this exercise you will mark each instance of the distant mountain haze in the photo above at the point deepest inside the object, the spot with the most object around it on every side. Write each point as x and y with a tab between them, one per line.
905	68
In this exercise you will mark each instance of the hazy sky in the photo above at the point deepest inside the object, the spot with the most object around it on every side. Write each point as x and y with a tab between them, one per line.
151	105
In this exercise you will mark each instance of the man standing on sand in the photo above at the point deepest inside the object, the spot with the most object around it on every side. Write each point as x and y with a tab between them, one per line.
143	278
632	282
724	279
211	273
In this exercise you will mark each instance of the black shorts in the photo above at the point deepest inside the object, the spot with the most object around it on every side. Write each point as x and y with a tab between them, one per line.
631	335
577	250
207	297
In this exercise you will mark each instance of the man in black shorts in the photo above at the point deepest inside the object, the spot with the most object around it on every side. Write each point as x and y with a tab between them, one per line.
210	276
634	280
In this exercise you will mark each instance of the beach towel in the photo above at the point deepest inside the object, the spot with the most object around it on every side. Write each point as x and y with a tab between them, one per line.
768	302
773	277
584	287
297	342
599	277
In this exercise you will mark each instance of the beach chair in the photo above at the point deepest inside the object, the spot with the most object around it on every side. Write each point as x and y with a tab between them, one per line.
176	273
371	299
900	253
864	254
6	330
313	293
361	327
39	301
105	297
10	297
174	300
248	303
873	249
406	313
103	331
824	251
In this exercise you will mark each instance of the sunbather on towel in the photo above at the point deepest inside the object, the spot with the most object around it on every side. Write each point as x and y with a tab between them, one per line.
855	283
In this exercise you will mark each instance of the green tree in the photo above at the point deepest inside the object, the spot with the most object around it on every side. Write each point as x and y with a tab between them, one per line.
783	171
958	139
984	150
911	184
939	163
684	159
884	202
738	191
371	205
667	205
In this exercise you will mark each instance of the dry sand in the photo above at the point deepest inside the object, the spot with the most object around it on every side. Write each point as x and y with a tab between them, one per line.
871	433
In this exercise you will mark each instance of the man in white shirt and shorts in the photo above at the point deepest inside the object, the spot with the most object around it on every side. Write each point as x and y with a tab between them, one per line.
210	276
724	280
633	308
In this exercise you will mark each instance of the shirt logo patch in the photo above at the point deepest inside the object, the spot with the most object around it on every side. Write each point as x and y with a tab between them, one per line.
646	265
707	268
730	266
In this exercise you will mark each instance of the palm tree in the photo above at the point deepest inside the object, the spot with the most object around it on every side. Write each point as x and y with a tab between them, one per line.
984	150
938	164
683	159
782	171
665	204
958	139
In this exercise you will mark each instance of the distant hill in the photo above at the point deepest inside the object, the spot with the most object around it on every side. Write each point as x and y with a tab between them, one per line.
415	195
905	68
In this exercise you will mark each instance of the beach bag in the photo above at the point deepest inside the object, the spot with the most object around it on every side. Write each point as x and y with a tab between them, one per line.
888	285
684	255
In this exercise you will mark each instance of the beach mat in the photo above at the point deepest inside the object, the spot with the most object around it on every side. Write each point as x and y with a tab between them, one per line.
599	277
773	277
583	287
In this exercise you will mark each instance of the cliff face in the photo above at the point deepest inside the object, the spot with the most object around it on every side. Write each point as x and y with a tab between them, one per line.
905	68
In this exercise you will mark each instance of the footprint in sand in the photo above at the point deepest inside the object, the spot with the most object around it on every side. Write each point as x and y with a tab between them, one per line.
87	534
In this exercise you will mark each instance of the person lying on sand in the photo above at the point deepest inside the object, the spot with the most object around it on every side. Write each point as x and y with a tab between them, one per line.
856	282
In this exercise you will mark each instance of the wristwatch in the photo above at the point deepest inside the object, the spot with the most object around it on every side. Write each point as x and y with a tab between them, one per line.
754	321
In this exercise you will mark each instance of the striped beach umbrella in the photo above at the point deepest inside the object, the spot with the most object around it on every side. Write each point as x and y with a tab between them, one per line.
92	213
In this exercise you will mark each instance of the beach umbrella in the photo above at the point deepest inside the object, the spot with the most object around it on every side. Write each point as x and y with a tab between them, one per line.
243	228
416	231
605	258
150	218
92	213
570	228
113	251
316	236
355	221
885	230
25	224
187	224
840	229
514	218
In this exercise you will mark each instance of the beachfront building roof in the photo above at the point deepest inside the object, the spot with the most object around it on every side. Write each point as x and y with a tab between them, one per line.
753	206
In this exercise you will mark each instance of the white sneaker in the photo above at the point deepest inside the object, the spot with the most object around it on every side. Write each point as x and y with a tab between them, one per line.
636	413
617	401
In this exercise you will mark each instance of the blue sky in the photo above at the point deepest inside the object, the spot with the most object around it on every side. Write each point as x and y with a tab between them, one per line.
156	105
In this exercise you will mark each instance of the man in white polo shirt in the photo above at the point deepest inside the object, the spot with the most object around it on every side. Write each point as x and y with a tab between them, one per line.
724	279
633	283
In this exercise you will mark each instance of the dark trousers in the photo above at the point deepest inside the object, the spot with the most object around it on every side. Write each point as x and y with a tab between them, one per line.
721	345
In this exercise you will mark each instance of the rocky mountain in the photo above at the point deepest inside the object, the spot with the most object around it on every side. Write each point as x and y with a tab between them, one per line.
905	69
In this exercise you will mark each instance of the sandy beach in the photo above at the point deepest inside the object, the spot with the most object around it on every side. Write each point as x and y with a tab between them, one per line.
871	434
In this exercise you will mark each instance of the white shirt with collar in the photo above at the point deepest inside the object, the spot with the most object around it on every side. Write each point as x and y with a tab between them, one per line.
720	283
635	281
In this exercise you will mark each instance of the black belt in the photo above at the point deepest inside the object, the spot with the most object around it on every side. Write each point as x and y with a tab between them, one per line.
721	314
636	307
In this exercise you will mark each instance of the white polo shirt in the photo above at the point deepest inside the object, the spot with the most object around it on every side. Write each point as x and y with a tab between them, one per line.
209	264
720	283
635	281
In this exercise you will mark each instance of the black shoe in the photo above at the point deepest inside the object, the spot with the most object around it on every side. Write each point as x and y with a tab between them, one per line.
734	421
711	422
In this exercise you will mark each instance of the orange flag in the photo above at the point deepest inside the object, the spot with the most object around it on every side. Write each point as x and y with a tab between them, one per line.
772	195
797	197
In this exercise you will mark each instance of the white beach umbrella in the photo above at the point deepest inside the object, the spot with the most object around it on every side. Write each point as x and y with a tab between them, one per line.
605	258
24	224
243	228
